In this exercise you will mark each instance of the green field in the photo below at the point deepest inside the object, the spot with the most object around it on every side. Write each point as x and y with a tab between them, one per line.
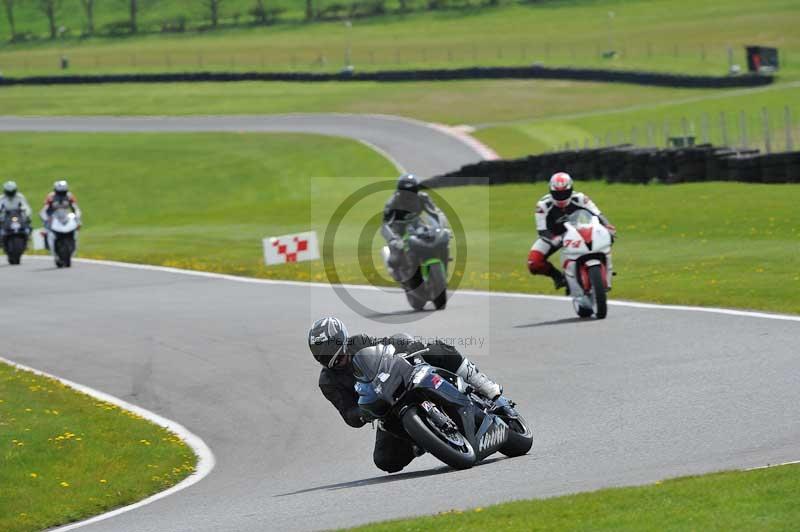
671	35
513	117
764	500
174	201
67	456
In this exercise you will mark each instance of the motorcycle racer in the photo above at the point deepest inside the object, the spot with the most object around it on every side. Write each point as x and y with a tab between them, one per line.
402	208
333	348
551	211
59	198
11	200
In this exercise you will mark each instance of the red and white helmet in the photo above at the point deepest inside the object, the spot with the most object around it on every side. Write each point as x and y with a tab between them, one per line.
561	189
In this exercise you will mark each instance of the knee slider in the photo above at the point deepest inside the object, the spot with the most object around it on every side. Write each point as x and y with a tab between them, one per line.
537	262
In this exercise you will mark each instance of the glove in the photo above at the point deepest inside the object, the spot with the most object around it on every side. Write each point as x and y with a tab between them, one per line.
556	241
612	229
397	244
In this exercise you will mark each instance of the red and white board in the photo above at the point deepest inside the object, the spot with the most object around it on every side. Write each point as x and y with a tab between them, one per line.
291	248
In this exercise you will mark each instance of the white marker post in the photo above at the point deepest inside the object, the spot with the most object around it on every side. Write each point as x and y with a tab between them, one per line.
291	248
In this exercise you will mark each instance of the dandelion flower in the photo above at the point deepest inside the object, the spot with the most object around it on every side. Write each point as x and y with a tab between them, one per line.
103	481
64	484
33	475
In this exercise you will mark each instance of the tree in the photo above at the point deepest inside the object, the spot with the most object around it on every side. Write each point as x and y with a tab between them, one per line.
88	7
213	8
133	8
9	5
309	9
50	8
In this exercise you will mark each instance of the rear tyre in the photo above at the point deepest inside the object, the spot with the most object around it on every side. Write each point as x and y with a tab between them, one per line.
598	291
453	449
437	278
520	437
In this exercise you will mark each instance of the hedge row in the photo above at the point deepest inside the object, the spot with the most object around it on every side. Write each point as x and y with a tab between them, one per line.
627	164
536	72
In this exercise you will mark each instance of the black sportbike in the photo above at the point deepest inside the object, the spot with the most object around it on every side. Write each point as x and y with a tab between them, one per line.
15	232
436	409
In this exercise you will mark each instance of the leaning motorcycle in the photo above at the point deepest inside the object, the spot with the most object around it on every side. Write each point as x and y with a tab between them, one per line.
62	237
424	262
15	231
586	256
435	409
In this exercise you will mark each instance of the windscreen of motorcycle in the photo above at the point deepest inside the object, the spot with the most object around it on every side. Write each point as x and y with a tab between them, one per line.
367	362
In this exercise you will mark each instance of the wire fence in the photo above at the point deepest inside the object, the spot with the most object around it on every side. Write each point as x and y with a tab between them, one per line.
767	130
700	58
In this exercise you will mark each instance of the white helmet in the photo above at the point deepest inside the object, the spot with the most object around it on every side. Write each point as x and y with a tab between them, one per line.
60	187
10	189
561	189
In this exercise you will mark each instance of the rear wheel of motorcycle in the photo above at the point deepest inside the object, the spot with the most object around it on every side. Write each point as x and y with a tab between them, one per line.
416	423
520	437
438	277
598	291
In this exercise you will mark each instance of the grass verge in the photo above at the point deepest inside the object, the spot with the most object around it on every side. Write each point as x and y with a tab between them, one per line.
672	35
67	456
732	118
764	499
173	200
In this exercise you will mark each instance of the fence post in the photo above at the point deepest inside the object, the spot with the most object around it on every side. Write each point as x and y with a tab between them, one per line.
787	121
704	124
742	130
685	126
723	125
767	132
666	132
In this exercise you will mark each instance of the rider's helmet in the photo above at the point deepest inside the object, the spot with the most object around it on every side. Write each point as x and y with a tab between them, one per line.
10	189
327	340
408	182
61	188
561	189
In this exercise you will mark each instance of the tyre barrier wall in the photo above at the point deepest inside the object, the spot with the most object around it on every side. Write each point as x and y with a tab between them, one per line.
628	164
620	76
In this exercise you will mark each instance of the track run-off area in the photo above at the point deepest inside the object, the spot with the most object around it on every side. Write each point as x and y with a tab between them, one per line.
649	393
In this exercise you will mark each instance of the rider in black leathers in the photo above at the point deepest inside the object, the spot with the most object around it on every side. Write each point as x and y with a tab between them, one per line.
333	348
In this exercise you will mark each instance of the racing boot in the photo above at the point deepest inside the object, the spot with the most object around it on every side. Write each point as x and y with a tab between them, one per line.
559	281
485	386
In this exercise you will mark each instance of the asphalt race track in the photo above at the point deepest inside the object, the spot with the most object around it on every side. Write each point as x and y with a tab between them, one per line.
646	394
415	146
643	395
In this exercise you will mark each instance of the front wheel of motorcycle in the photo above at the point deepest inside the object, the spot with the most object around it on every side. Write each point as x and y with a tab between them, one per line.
520	437
449	446
437	278
598	291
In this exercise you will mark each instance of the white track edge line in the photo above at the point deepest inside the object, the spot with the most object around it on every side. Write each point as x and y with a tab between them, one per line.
769	466
380	151
205	458
479	293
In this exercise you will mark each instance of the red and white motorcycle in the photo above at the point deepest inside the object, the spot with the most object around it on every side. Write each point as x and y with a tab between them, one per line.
586	257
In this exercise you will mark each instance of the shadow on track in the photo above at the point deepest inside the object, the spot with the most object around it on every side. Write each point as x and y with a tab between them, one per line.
383	479
562	321
379	315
